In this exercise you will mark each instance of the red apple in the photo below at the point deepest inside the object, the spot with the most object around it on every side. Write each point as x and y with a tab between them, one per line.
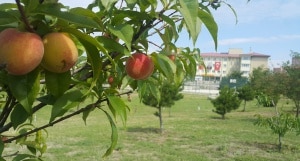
20	52
139	66
110	80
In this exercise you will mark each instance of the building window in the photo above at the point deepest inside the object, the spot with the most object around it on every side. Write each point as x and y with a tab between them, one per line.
246	65
246	58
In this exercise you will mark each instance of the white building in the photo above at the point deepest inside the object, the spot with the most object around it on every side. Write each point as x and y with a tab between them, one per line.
218	65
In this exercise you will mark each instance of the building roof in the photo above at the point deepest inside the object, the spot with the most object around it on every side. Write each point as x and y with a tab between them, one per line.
227	55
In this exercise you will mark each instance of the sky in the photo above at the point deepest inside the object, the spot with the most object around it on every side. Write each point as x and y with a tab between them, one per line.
270	27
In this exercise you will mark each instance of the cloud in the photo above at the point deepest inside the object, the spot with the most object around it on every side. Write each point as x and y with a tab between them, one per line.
257	11
234	41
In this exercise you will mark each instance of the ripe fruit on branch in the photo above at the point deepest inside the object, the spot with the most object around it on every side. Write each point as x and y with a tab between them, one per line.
60	54
139	66
110	79
20	52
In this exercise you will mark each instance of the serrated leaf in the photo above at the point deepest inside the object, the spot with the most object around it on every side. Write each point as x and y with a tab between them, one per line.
124	32
189	10
70	99
25	88
18	116
57	83
114	135
119	107
210	24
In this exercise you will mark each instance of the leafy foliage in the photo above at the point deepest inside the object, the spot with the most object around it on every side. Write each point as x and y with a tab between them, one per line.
246	93
105	33
279	124
292	88
227	101
168	94
268	86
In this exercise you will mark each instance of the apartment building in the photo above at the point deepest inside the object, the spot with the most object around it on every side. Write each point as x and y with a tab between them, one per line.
219	65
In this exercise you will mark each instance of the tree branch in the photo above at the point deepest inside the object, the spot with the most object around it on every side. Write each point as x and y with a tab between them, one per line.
88	107
23	16
10	103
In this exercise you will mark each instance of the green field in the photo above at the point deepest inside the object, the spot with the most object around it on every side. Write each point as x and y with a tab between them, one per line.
192	132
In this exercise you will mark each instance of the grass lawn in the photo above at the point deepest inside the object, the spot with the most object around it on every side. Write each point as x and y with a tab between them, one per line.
192	132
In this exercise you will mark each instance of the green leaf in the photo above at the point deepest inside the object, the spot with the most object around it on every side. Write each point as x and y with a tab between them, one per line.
107	4
91	46
124	32
119	107
155	90
172	25
6	18
57	83
210	24
18	116
86	113
189	10
112	46
180	73
25	157
85	12
78	19
114	135
164	65
25	88
70	99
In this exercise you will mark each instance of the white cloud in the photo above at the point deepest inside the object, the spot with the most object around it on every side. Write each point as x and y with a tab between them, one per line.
234	41
257	11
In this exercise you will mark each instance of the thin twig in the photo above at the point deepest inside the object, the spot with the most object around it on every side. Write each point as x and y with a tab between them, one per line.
23	16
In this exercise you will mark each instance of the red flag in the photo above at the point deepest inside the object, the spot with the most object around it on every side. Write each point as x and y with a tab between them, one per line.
217	66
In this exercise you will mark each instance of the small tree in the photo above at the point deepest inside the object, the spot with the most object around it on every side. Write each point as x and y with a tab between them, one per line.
169	93
227	101
246	93
280	124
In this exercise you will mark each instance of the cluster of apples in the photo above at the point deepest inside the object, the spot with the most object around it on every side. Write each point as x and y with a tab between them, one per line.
22	52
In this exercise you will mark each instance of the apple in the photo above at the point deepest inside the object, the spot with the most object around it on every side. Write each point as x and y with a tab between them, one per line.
60	54
139	66
110	80
172	57
20	52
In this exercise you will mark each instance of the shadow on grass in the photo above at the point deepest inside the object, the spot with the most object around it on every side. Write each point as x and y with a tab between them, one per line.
143	130
217	117
268	147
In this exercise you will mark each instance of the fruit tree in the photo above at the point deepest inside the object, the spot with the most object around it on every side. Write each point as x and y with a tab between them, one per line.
58	56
